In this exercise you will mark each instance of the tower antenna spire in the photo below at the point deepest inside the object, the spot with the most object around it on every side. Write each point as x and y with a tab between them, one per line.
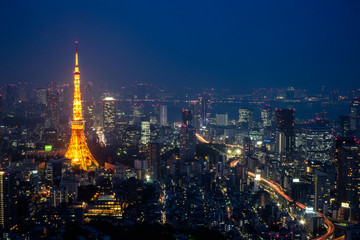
76	54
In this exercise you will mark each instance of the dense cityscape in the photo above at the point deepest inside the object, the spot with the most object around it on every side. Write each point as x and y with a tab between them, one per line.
180	120
145	161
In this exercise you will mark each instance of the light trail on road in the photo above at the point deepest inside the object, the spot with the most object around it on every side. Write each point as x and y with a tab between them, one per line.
279	190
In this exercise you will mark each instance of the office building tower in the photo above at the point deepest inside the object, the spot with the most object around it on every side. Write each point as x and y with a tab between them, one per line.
285	122
318	142
153	157
322	191
10	99
58	195
267	117
344	126
71	186
348	163
40	95
355	115
109	114
196	112
186	118
187	137
145	132
137	114
222	120
245	118
241	176
204	106
163	115
8	200
1	110
52	106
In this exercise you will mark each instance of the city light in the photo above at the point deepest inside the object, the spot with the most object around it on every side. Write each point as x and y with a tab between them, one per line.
48	147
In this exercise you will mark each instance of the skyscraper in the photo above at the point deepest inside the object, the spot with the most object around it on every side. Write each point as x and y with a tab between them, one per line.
78	150
344	126
245	118
52	105
355	115
153	157
318	143
348	184
322	191
1	109
285	122
145	132
109	114
163	115
222	120
10	99
267	117
8	200
204	105
187	137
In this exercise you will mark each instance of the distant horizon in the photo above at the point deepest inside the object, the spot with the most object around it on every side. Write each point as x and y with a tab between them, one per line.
236	45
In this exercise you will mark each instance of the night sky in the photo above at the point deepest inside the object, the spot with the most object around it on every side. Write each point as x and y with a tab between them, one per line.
239	44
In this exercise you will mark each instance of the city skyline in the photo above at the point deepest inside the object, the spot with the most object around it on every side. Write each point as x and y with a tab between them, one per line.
192	120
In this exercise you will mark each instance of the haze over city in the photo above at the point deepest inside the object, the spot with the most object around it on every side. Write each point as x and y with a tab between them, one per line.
180	120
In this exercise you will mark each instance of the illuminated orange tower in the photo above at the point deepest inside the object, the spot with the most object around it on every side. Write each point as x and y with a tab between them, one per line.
78	150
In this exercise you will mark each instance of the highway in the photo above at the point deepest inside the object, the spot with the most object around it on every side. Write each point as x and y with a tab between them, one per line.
279	190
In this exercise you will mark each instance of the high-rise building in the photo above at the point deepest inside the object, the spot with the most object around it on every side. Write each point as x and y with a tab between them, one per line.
245	118
58	195
8	200
197	115
267	117
187	137
78	150
153	157
241	176
1	109
355	115
348	183
40	95
10	99
109	114
204	107
52	105
163	115
145	132
186	118
137	114
222	120
285	122
322	191
318	143
344	126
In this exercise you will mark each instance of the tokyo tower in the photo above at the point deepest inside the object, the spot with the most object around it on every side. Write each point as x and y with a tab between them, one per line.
78	150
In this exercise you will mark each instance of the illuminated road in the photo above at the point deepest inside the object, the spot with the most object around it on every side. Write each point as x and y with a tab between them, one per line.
201	139
275	186
280	191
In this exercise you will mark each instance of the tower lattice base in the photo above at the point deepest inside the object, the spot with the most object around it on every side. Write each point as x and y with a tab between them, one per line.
78	150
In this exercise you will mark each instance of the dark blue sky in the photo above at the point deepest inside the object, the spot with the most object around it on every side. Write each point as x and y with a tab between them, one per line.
252	43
